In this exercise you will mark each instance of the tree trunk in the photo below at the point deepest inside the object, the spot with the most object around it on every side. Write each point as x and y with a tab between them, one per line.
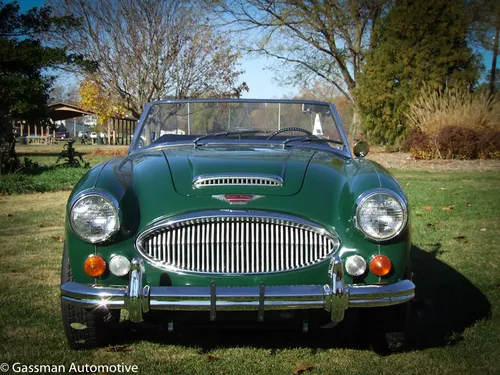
494	62
355	128
8	158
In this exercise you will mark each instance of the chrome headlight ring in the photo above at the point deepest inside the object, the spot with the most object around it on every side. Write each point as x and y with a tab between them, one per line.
94	216
380	210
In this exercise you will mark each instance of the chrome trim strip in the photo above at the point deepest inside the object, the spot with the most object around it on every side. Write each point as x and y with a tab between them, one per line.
218	217
367	194
232	179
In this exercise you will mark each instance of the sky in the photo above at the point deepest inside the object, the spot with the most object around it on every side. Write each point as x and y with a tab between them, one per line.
259	80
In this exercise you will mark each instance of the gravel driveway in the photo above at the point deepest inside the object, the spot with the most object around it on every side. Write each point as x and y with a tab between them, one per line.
401	160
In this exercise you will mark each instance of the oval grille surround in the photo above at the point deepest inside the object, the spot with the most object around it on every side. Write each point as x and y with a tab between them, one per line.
236	244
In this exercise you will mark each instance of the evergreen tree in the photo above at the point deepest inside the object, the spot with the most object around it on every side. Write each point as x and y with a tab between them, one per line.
420	42
24	88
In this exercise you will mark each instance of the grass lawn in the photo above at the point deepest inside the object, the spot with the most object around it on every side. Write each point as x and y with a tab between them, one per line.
455	322
49	176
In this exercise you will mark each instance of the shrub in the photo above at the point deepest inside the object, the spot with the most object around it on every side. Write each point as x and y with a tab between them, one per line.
489	145
434	109
457	143
71	156
419	145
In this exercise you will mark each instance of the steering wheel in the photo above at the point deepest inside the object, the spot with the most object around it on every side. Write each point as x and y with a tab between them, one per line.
292	129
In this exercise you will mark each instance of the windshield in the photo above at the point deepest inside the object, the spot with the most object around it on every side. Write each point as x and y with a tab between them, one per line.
202	122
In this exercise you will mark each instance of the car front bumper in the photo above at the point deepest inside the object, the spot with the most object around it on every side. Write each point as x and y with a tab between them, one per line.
334	297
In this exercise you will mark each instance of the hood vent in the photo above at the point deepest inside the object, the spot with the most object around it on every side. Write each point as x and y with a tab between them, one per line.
237	180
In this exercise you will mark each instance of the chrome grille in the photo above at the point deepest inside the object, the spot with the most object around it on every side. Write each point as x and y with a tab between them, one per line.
236	244
223	180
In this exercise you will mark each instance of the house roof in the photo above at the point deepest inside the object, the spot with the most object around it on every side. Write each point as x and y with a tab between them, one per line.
64	111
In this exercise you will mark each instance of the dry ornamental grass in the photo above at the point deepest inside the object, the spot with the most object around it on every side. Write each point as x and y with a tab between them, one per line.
435	109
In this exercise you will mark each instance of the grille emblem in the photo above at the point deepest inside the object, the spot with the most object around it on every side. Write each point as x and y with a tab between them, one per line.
237	198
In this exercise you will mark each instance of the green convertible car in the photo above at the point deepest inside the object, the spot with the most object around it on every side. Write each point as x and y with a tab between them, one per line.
242	210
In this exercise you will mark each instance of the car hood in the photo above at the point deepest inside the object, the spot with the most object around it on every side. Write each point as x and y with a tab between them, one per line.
228	169
158	183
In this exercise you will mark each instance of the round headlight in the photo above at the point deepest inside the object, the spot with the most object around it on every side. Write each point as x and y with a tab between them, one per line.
381	215
94	217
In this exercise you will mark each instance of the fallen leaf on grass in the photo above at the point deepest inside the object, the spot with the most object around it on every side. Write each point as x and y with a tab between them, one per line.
211	357
78	326
461	238
300	368
448	208
430	225
493	265
443	188
468	204
10	215
419	214
272	351
57	238
427	208
483	229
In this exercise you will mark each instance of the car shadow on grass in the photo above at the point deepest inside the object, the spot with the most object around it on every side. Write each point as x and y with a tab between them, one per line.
446	303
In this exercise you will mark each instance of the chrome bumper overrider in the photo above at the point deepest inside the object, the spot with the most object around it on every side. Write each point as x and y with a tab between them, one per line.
334	297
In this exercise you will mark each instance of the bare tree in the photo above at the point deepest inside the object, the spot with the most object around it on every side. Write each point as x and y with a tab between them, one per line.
152	49
64	93
312	39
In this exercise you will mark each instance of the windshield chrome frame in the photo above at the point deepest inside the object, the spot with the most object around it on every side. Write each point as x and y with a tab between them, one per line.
138	130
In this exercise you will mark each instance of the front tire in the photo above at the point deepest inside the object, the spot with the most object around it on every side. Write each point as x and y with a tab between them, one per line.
387	328
84	328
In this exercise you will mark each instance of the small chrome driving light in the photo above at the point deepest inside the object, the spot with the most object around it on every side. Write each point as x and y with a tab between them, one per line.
119	265
355	265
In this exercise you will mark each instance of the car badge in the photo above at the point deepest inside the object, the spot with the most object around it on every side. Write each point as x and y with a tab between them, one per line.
237	198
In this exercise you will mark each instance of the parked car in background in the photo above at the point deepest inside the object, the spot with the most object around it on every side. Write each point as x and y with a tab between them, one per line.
83	135
62	136
200	222
93	135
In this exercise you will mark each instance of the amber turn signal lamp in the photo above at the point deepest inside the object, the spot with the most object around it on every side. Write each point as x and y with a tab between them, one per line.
380	265
94	266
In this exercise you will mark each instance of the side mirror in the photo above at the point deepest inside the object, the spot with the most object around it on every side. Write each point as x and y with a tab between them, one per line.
361	149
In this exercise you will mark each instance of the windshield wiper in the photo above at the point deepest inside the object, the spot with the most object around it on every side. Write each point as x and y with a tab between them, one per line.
309	139
225	134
